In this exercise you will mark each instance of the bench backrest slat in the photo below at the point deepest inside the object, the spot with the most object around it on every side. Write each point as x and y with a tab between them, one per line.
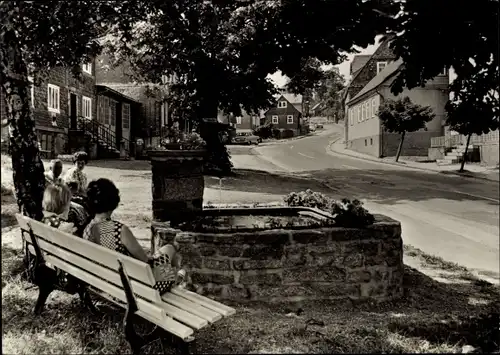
109	275
135	269
23	222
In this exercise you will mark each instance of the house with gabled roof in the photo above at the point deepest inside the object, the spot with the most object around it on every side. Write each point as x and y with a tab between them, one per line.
286	113
365	132
364	68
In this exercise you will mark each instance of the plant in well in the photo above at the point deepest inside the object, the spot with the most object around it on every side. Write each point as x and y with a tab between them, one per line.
308	198
346	213
177	139
351	213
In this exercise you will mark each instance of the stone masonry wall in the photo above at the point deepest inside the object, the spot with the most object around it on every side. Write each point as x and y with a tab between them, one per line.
281	265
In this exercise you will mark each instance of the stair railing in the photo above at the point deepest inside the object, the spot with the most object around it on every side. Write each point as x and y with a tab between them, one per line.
101	132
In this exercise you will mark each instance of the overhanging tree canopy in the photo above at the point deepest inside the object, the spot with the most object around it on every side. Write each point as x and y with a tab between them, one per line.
223	51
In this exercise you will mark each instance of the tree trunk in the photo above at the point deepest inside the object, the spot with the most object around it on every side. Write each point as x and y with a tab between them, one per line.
400	146
465	153
29	181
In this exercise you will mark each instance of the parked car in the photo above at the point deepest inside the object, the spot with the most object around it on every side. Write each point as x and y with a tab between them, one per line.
319	126
246	138
312	127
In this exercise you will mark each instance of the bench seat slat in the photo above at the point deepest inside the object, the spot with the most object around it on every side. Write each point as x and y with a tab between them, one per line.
139	313
183	316
204	301
191	307
154	314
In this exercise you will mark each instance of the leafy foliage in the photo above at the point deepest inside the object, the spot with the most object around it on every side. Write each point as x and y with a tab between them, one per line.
346	213
191	140
467	41
265	131
222	51
475	106
351	213
329	92
55	33
402	115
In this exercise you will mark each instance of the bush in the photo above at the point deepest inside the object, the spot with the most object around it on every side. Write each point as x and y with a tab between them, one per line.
265	131
346	213
287	133
276	133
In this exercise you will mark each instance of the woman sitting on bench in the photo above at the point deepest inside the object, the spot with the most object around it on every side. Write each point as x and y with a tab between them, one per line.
103	198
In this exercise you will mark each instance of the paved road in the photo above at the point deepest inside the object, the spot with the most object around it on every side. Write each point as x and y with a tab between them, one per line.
454	217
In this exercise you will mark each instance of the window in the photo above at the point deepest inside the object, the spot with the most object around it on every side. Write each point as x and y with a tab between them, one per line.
363	112
371	141
32	90
106	110
112	104
53	98
289	119
366	143
368	109
359	113
282	104
381	66
45	142
238	120
87	68
87	107
374	107
126	116
275	120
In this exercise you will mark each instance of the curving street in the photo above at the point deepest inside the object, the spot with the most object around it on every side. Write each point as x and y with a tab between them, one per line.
453	217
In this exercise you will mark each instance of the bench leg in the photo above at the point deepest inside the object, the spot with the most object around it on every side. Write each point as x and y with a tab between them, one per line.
184	347
135	341
44	290
169	341
86	300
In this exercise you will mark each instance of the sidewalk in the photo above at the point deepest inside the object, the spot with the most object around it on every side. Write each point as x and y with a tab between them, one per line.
471	170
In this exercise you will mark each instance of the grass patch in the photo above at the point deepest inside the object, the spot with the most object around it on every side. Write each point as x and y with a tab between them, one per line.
432	317
432	260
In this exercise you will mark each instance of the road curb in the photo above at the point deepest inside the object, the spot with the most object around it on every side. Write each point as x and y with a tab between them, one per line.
442	172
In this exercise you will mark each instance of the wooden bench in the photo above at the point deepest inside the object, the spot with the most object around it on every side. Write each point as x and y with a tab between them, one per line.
122	280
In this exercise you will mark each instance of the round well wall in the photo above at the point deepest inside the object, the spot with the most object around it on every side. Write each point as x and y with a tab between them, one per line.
293	264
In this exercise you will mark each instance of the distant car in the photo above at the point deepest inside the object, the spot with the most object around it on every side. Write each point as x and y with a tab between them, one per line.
246	138
312	127
319	126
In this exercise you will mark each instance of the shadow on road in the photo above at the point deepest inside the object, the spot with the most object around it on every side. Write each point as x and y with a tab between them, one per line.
381	186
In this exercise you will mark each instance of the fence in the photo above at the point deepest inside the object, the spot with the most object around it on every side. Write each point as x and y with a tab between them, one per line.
449	140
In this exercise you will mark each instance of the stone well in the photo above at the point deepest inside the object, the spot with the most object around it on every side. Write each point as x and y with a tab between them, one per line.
292	264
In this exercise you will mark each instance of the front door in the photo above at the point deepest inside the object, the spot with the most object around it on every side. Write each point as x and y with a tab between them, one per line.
72	112
118	126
